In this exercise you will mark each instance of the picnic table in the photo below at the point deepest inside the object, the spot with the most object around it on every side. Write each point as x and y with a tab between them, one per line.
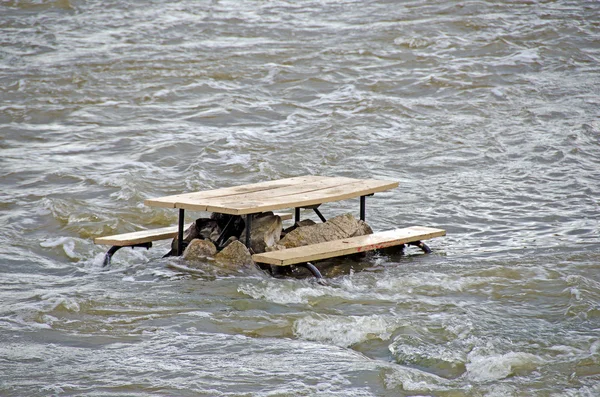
304	192
246	200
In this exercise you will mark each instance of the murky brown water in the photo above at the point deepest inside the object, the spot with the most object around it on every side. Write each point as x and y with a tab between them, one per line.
486	112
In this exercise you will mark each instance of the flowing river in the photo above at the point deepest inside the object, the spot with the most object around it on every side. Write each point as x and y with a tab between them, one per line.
486	112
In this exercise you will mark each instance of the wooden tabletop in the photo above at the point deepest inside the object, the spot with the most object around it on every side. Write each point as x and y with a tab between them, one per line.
274	195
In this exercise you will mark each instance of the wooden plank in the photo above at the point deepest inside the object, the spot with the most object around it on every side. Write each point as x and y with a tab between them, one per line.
348	246
171	201
343	192
283	191
144	236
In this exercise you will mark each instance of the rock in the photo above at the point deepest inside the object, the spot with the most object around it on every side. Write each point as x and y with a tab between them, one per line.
276	247
303	222
236	227
235	255
199	249
202	228
208	228
266	231
229	241
340	227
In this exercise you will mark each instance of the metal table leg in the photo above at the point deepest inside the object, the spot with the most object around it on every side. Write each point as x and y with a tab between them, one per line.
180	232
225	229
321	217
115	248
312	268
421	245
362	207
297	215
248	228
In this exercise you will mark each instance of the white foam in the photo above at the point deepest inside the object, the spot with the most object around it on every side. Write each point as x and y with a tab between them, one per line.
406	353
198	314
499	366
437	282
413	379
282	292
66	243
497	92
342	330
521	57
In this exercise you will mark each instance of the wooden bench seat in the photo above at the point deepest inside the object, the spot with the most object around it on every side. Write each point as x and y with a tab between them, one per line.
133	238
145	236
348	246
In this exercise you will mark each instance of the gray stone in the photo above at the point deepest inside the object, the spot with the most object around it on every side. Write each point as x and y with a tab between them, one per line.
208	228
199	249
276	247
229	241
233	223
235	255
303	222
266	231
340	227
202	228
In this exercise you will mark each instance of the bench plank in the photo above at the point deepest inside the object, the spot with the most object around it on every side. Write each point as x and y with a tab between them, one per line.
145	236
348	246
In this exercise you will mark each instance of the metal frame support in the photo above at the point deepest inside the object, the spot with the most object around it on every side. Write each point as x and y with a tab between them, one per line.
321	217
180	232
363	211
296	214
362	207
111	251
248	229
225	229
421	245
314	208
313	269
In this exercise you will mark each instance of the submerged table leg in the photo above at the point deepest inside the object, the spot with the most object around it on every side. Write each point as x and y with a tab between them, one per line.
312	268
115	248
421	245
180	232
109	254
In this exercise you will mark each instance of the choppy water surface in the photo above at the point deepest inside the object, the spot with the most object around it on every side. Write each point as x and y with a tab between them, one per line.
486	112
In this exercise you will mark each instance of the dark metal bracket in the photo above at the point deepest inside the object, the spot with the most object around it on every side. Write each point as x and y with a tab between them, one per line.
313	269
421	245
315	208
321	217
248	229
115	248
225	229
363	211
180	232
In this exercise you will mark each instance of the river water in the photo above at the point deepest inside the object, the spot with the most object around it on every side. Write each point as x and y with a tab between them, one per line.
486	112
